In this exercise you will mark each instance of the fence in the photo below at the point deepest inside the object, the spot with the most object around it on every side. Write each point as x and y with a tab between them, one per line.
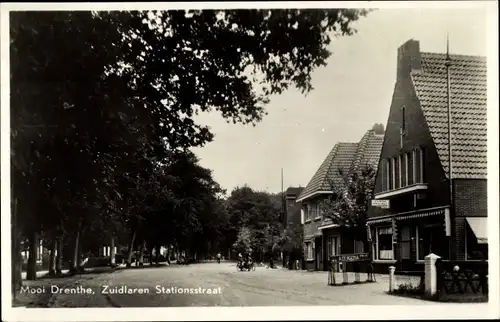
462	280
357	263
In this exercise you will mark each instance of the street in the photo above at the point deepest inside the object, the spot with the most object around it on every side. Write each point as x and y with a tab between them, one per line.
227	287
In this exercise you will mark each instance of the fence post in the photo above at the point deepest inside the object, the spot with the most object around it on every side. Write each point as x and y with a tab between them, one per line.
345	274
356	272
431	274
392	278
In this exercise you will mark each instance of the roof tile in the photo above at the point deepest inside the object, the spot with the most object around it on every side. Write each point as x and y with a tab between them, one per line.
346	157
468	104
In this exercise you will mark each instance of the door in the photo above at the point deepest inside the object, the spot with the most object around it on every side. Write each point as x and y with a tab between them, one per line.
319	255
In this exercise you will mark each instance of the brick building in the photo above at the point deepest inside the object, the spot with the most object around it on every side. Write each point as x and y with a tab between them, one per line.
413	174
293	224
322	237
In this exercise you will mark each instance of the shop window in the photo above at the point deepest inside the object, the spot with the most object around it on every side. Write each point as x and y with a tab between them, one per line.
383	244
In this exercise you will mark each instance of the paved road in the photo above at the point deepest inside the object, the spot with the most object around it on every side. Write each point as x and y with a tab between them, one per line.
262	287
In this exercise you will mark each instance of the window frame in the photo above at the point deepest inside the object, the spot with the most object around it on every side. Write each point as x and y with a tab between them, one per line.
397	174
387	176
421	164
403	120
317	215
414	166
393	170
309	251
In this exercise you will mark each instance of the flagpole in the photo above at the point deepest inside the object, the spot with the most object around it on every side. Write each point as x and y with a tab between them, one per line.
450	157
283	200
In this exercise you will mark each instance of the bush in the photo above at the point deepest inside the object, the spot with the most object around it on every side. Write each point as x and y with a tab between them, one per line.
410	289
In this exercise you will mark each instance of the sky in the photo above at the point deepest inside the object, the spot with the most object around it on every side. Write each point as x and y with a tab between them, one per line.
351	93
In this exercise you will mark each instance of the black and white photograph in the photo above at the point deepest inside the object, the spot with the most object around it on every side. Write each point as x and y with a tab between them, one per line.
311	160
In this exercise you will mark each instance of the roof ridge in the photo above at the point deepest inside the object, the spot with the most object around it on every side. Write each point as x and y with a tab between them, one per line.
325	165
360	151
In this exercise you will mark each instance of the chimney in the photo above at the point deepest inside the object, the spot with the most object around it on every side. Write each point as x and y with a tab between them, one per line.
409	58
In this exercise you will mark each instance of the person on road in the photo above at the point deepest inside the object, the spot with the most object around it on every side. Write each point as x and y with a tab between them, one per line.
218	258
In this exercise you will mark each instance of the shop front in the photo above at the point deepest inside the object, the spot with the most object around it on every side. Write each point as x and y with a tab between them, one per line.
403	240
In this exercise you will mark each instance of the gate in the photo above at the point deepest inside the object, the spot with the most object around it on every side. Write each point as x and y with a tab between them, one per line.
462	280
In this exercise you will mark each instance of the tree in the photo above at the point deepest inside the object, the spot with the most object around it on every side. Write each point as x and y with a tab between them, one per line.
99	98
348	204
244	241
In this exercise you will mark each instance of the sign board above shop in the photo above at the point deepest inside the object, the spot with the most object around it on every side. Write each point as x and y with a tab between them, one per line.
382	203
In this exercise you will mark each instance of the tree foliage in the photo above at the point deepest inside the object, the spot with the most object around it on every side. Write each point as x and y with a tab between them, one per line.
348	204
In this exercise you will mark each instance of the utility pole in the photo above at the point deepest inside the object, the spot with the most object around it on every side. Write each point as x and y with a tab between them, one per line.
450	157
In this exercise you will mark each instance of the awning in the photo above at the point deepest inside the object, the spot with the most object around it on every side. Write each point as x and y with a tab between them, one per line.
378	220
479	226
421	214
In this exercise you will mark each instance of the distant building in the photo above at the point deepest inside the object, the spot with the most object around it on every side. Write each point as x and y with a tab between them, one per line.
413	175
322	237
292	209
292	222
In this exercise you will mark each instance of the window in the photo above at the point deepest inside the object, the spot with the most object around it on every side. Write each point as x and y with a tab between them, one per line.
332	246
404	170
306	213
397	176
309	250
403	119
410	167
383	244
317	213
387	171
419	165
393	184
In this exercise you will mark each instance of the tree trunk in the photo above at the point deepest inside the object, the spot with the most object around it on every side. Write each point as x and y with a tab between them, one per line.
17	280
141	253
76	248
33	252
52	259
81	256
130	250
59	258
112	255
168	255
